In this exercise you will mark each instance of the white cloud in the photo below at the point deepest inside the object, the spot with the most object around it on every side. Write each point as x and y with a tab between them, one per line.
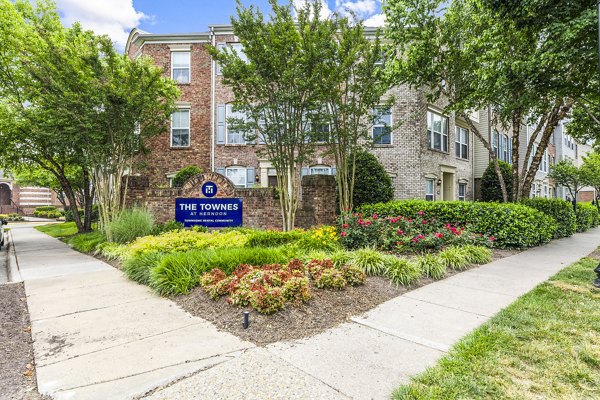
375	20
362	8
325	10
114	18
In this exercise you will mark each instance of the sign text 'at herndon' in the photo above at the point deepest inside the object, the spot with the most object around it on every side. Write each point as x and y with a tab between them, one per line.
209	212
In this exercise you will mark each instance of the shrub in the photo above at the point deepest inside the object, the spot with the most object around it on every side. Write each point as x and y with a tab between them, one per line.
477	254
330	278
373	183
130	224
11	217
511	225
86	242
560	210
432	266
178	273
369	261
324	238
47	212
490	185
454	258
112	251
184	240
69	214
168	226
341	258
353	275
138	268
402	271
45	208
184	174
261	238
587	217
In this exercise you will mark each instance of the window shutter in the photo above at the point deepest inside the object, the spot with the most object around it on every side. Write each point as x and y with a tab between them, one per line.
250	172
221	124
305	171
220	170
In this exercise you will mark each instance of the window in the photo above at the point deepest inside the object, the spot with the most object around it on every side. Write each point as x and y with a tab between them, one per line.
239	49
462	191
235	135
237	175
429	189
462	143
505	148
382	126
180	66
545	191
437	130
180	128
544	162
495	136
322	133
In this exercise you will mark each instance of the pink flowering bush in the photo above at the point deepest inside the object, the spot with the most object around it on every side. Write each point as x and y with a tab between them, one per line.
405	234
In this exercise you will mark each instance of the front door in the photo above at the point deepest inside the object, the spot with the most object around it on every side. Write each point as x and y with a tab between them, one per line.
5	194
448	186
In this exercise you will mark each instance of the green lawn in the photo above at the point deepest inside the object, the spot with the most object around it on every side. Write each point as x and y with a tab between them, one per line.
546	345
84	242
58	230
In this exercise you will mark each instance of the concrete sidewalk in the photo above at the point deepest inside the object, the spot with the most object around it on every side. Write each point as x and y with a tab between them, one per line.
98	335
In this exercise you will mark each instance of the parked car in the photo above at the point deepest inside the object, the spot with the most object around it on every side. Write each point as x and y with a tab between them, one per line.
2	223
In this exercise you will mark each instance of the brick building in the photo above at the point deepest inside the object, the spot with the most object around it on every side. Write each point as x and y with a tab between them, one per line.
429	155
23	200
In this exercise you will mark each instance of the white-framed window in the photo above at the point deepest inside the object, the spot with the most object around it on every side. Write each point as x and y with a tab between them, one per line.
545	192
462	191
437	131
180	128
544	162
505	148
180	66
462	143
382	126
237	175
234	136
429	189
239	49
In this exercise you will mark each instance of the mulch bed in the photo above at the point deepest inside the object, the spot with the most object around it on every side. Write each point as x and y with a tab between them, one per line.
17	370
326	309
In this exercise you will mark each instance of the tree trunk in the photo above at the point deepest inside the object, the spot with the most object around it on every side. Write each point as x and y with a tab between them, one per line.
88	201
70	195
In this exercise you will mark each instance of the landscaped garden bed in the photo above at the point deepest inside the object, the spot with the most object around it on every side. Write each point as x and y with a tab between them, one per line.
299	283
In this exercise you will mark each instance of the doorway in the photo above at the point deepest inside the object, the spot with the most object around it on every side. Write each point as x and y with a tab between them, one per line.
5	194
448	186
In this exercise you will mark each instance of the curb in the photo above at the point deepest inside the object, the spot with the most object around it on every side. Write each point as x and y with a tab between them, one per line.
14	275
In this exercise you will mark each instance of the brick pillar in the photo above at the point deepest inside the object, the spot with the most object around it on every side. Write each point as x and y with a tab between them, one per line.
319	203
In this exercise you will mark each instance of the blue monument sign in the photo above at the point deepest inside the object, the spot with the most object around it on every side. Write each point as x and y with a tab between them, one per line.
210	212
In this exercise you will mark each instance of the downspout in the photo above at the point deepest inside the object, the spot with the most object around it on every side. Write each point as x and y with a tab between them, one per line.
212	102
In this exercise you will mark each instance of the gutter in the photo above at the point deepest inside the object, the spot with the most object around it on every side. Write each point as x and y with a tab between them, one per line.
212	102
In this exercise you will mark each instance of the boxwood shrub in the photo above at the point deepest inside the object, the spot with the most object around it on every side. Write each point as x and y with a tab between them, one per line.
587	216
560	210
512	225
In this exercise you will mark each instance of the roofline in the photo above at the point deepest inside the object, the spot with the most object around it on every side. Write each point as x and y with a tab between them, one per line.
136	35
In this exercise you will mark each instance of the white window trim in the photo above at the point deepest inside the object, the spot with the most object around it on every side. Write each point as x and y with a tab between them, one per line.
391	143
459	143
189	66
464	196
433	193
430	132
189	129
236	167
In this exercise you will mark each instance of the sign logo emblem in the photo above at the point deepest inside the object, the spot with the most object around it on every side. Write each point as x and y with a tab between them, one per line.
209	189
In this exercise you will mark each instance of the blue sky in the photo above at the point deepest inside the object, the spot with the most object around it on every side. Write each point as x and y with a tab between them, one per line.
117	17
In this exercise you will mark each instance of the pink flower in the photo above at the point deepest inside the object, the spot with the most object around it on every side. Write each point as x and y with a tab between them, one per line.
361	221
367	223
448	226
400	232
420	213
438	235
343	234
492	238
424	221
344	226
375	216
421	236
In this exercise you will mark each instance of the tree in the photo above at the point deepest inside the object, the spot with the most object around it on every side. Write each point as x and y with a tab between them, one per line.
136	101
353	85
42	178
276	87
591	173
45	88
472	57
375	183
490	187
566	174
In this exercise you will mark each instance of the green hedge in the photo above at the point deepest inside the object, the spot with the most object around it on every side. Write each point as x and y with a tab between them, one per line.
45	208
587	216
560	210
513	225
95	214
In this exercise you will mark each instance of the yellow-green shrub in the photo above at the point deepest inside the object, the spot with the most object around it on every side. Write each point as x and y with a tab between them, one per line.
184	240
